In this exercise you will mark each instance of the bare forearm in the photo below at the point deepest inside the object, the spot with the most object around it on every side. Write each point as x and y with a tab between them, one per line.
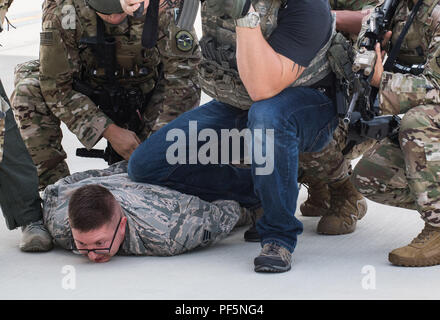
258	64
349	21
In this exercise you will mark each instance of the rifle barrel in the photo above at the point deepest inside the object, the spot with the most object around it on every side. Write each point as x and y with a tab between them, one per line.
353	101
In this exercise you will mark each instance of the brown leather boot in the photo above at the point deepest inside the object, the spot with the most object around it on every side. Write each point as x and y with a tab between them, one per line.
318	200
423	251
347	206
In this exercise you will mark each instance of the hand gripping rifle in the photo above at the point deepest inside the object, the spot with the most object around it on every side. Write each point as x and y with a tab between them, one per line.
362	116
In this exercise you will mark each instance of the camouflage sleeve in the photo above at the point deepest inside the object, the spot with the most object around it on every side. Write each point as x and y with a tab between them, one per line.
400	92
59	60
177	90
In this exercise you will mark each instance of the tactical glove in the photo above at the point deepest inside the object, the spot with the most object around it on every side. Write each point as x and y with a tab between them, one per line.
234	9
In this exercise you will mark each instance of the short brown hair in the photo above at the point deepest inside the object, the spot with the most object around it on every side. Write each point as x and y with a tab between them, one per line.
90	207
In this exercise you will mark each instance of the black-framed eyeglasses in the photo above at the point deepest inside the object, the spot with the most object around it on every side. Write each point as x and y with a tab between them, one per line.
99	250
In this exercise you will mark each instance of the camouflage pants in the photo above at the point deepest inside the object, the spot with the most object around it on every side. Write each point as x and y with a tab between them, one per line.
330	165
39	127
407	176
41	130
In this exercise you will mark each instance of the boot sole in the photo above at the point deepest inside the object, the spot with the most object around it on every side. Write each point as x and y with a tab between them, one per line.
271	269
36	246
334	233
402	262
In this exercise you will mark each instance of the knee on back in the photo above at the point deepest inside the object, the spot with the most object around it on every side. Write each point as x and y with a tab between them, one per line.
137	168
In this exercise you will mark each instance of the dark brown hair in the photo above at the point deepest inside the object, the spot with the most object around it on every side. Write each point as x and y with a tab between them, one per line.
90	207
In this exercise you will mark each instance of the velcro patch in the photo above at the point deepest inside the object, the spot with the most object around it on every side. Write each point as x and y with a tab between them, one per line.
184	41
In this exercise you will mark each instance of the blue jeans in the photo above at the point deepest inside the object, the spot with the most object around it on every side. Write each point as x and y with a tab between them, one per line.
302	119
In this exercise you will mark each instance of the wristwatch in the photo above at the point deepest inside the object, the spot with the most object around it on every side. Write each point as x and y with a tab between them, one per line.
251	20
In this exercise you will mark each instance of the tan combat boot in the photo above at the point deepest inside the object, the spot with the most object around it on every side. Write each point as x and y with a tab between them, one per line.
347	206
423	251
318	200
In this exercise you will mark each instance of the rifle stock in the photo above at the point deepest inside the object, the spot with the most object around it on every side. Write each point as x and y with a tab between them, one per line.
188	15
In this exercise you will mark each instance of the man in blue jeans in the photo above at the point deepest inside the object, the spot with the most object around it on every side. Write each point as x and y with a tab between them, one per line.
265	65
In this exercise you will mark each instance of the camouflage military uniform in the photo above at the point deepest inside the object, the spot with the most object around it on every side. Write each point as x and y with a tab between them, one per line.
330	164
19	198
44	95
160	221
408	175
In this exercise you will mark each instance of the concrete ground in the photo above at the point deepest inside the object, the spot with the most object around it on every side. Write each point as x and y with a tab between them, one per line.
353	266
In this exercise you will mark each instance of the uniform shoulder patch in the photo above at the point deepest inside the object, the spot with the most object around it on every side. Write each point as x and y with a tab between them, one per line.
184	40
46	38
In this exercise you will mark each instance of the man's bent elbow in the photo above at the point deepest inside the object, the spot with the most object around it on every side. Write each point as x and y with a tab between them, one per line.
262	94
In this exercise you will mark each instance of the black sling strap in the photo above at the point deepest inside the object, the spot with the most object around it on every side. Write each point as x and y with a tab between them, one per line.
388	66
395	51
150	31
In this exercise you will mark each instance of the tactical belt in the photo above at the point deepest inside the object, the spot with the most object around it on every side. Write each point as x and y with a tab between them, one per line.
326	86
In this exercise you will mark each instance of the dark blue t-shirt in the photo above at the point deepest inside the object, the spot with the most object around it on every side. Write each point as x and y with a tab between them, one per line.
304	27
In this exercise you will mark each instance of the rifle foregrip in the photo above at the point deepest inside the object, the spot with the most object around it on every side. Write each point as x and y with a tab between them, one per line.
188	15
94	153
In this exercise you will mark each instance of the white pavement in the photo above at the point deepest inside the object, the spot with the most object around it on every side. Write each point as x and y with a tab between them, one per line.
324	267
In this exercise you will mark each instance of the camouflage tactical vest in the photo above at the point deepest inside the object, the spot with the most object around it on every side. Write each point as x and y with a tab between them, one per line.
136	66
218	72
414	49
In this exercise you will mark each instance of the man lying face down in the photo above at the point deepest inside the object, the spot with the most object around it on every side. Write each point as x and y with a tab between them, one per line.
101	213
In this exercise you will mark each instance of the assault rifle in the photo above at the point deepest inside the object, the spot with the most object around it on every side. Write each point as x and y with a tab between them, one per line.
362	117
123	106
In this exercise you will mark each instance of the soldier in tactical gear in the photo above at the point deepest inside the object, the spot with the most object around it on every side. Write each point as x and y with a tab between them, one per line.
406	173
95	75
19	198
266	67
326	173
